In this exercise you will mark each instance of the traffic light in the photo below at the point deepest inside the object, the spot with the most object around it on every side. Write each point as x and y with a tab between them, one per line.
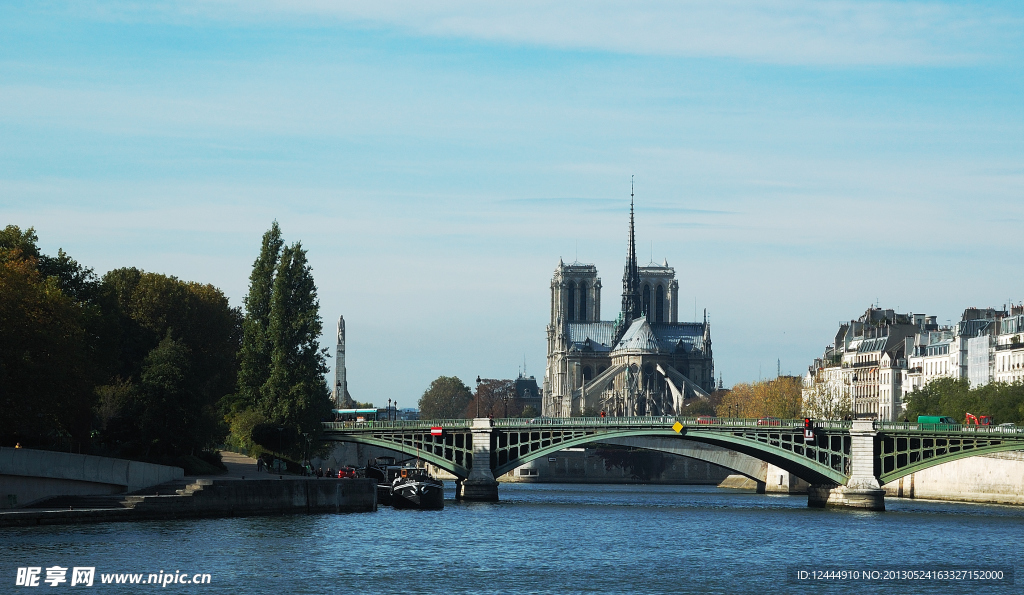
808	425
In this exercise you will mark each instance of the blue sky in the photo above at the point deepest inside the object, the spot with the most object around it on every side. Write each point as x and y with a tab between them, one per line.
795	161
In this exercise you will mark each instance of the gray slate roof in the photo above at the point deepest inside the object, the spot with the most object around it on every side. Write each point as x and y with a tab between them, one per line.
659	337
597	336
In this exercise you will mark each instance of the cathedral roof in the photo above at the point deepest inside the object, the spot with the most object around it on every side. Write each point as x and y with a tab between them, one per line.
662	337
638	337
593	336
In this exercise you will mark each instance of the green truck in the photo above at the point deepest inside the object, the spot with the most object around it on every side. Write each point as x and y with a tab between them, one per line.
935	422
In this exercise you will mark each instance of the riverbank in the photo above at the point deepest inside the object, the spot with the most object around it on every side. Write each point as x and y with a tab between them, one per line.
206	498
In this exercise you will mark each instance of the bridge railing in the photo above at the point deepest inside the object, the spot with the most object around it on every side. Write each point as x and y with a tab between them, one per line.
662	421
740	422
666	420
398	424
655	421
966	429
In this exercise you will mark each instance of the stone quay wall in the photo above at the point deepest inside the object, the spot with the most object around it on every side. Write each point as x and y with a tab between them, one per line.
208	498
27	475
995	479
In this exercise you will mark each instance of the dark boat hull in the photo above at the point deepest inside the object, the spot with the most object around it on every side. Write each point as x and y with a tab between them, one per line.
418	495
384	494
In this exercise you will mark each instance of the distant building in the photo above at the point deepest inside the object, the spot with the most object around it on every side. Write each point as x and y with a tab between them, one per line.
408	414
882	357
645	362
1009	347
865	363
529	393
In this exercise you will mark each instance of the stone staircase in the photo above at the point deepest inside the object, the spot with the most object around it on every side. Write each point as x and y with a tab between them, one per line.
167	494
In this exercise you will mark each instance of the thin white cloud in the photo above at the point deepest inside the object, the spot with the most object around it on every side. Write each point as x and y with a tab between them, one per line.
775	31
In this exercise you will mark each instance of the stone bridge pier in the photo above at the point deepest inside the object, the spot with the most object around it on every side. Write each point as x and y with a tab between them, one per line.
863	489
480	486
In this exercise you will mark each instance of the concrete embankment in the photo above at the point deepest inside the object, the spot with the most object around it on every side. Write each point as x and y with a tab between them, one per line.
205	498
28	475
993	479
985	479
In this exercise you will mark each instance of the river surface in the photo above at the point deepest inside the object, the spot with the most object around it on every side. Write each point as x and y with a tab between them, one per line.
545	538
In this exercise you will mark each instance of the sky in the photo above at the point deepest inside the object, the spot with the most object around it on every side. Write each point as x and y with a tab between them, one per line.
796	162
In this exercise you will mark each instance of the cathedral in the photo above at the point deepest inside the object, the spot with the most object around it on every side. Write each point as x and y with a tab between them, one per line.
645	362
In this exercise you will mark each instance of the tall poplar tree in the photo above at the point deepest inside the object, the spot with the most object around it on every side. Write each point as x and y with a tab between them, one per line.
257	344
295	393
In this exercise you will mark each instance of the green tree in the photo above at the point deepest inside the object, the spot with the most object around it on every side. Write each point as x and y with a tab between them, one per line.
255	356
295	394
176	349
446	398
46	376
954	398
942	396
23	244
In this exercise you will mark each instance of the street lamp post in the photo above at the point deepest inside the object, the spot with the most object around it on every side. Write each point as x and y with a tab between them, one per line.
477	396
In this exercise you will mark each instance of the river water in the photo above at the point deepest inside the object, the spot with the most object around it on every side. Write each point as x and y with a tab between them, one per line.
546	538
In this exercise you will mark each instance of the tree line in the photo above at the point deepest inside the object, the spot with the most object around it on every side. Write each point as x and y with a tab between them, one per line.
448	397
146	366
955	398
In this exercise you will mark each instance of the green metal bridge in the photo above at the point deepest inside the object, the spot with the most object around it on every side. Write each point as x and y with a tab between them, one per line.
857	456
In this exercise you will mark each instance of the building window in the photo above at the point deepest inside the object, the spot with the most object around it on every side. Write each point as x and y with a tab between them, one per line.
571	314
647	301
659	305
583	301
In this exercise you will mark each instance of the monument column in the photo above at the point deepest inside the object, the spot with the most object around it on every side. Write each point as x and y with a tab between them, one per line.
480	485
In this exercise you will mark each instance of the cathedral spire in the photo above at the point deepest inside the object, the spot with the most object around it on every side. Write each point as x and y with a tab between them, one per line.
631	276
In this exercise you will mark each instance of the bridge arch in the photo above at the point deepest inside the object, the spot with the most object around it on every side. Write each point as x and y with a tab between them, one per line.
901	453
506	458
423	446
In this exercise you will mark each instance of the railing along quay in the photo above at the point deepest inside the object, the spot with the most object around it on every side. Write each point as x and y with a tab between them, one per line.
912	426
590	422
398	424
667	421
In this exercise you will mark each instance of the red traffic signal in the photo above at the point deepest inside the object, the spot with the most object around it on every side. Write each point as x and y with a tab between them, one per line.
808	424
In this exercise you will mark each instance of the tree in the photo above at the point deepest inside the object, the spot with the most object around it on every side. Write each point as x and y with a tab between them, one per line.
173	416
46	376
22	243
494	398
255	356
955	398
779	397
446	398
825	400
176	348
529	411
295	393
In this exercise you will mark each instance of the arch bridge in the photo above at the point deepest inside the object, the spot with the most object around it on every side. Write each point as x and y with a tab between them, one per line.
846	462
